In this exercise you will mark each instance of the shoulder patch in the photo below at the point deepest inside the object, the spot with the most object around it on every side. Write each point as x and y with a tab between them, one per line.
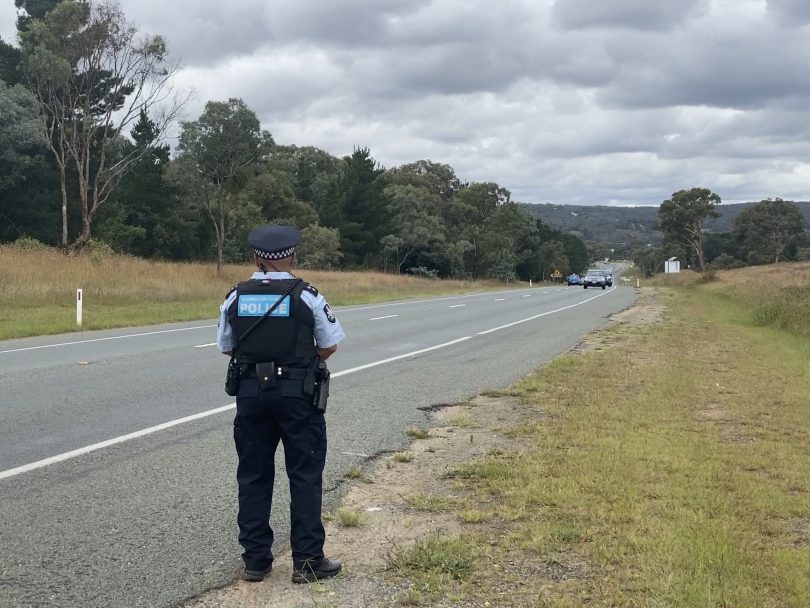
311	289
330	316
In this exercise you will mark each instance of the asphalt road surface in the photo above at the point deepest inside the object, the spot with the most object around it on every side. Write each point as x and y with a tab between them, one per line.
117	466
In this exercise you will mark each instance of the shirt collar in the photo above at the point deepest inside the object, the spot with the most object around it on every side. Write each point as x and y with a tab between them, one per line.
271	275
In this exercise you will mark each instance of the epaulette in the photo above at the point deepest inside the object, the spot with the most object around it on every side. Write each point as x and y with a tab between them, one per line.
231	290
311	289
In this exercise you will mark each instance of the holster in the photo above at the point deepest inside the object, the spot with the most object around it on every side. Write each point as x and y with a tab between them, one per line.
311	378
232	378
321	387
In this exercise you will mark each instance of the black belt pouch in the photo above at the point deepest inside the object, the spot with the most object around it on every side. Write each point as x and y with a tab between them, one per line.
266	373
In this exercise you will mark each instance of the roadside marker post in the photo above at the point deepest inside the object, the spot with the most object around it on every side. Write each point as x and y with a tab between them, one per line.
79	307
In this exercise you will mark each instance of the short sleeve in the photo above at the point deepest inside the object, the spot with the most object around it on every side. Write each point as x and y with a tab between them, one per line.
327	328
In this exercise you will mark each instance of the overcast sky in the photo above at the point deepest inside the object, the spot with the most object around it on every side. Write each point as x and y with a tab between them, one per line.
570	101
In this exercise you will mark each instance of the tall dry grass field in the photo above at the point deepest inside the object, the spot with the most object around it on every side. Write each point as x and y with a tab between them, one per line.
38	290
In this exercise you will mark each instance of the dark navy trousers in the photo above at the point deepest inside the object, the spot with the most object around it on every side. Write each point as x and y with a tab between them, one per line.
263	418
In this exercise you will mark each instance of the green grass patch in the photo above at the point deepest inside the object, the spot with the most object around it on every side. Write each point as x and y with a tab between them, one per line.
418	433
445	558
349	518
689	486
432	502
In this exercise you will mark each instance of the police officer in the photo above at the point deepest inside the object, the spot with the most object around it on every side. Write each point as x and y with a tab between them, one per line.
273	403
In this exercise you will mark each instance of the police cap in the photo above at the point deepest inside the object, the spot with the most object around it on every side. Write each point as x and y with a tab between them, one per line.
274	242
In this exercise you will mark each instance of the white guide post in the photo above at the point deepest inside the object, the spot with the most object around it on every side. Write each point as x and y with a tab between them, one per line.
78	307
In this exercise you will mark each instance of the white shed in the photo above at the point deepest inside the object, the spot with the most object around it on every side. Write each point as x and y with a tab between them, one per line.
672	265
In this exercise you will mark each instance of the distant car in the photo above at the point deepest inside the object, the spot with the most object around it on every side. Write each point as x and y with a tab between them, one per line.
594	278
573	279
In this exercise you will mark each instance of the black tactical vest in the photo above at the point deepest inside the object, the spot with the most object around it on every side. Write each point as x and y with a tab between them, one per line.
286	336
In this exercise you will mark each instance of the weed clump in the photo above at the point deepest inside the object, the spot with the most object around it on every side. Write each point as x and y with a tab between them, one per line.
787	309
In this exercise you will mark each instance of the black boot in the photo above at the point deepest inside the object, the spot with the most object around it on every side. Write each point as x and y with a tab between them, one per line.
313	570
256	576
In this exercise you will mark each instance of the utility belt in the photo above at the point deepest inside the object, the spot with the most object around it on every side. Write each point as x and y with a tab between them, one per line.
315	377
293	373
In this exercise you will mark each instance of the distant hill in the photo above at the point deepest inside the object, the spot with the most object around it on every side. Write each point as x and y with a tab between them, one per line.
616	226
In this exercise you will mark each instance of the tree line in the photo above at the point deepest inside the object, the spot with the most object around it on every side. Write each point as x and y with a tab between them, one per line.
767	232
86	102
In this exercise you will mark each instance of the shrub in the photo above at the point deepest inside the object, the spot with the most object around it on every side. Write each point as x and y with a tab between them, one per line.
422	271
28	243
725	261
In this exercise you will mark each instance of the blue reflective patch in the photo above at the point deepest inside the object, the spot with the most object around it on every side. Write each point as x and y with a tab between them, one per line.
257	305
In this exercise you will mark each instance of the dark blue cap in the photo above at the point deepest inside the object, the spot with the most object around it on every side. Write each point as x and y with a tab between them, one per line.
274	242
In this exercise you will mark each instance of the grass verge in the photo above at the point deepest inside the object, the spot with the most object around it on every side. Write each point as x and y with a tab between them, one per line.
668	470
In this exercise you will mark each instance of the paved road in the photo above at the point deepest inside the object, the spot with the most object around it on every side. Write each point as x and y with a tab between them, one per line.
90	517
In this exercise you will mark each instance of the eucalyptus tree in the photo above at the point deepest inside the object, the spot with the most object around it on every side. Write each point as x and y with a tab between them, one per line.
93	75
415	226
219	154
507	240
765	230
478	202
682	218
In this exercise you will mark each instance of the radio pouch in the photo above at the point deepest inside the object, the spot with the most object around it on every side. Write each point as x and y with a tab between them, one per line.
266	373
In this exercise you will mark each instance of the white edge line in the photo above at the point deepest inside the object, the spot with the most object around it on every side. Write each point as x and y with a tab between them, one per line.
385	317
104	444
148	333
166	425
501	300
205	345
456	306
550	312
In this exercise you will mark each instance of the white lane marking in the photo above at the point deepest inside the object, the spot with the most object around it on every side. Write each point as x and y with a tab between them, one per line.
167	425
205	345
398	357
103	444
550	312
501	300
528	295
456	306
147	333
467	295
385	317
544	292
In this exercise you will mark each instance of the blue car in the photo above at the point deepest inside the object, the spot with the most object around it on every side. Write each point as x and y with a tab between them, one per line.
573	279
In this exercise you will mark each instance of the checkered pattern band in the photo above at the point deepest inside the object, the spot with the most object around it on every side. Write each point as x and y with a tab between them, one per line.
275	255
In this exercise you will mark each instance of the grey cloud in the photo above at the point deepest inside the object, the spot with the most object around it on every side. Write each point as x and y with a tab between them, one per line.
734	72
791	13
346	24
204	32
632	14
618	105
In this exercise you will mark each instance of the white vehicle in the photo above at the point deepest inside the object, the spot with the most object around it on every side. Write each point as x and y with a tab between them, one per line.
594	278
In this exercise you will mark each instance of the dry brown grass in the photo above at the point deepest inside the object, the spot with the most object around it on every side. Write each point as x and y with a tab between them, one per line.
38	290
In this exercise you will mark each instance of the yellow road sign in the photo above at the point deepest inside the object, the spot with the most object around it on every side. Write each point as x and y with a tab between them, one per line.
556	274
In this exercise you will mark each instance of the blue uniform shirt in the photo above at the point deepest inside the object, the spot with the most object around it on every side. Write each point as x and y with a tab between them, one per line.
327	329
